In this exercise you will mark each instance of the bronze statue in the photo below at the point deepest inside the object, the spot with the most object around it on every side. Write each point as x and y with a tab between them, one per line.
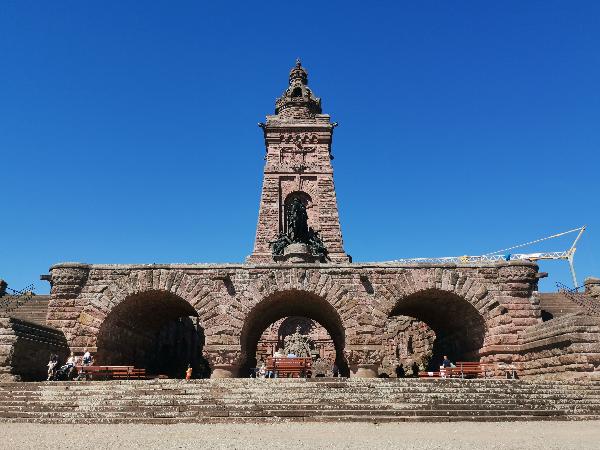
298	231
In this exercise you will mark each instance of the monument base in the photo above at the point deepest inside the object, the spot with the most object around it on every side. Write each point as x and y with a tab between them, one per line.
297	253
225	372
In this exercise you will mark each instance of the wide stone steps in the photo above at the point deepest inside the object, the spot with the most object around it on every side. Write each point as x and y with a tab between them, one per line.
33	310
244	400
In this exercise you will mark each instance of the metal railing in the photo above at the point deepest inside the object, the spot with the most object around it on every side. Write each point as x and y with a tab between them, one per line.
17	298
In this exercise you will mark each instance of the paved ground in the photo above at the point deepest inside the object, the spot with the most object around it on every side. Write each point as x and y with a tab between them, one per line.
422	436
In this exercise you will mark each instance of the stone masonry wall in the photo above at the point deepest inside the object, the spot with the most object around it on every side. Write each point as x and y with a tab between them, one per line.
361	297
298	160
25	349
563	348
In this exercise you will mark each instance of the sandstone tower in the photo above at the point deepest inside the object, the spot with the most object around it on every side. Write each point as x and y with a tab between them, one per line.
298	165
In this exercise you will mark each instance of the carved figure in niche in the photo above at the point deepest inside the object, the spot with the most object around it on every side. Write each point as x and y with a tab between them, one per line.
298	231
298	344
297	222
316	245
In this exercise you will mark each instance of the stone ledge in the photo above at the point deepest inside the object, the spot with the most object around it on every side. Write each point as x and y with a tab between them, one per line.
320	266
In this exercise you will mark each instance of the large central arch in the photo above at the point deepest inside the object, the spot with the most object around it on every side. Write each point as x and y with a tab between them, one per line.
459	327
291	303
156	330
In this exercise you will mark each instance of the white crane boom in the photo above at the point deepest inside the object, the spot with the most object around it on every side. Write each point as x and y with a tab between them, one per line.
502	255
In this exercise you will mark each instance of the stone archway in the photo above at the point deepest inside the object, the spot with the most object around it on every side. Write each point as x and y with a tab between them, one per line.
446	324
154	329
288	303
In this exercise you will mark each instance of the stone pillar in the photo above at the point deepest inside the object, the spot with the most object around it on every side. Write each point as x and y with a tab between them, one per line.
592	287
223	363
364	362
67	281
7	343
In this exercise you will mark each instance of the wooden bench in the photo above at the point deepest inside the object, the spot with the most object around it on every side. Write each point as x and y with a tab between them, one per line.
290	367
111	372
463	369
473	370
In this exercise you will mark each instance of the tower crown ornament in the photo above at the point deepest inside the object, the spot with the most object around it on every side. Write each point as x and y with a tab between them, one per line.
298	73
298	100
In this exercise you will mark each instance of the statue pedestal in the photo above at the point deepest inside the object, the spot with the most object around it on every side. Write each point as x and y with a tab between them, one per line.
297	253
364	371
225	371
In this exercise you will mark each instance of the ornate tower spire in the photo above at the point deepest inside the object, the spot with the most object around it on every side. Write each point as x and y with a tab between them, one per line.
298	168
298	100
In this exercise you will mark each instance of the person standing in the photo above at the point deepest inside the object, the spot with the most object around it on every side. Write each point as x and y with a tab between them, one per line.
52	366
335	371
188	373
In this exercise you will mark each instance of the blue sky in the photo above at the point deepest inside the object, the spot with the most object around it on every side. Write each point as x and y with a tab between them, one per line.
128	129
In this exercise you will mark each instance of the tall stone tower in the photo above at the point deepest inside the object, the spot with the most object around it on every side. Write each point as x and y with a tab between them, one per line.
298	166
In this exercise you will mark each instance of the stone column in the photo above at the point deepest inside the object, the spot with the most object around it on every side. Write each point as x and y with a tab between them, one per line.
223	363
364	362
592	287
65	308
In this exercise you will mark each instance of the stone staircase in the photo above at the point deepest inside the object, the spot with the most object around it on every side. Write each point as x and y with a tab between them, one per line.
557	304
33	310
251	400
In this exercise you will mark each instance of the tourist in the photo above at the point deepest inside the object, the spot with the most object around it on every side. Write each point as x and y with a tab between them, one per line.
335	371
87	358
414	368
188	373
446	364
262	371
52	364
400	372
70	366
291	355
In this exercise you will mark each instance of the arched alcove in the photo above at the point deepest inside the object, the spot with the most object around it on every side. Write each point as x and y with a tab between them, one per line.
155	330
458	327
285	304
305	199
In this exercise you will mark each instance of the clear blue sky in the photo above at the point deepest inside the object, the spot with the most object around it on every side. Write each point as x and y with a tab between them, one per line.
128	129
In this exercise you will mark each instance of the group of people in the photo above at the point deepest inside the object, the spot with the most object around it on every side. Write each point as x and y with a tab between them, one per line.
445	364
263	372
67	371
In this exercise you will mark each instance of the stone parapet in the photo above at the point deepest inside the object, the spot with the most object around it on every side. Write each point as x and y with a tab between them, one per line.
592	287
25	349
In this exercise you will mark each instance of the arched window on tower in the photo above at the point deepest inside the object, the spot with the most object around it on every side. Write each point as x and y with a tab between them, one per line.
306	201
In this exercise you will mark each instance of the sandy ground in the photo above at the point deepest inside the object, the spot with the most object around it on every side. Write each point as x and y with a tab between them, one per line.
462	435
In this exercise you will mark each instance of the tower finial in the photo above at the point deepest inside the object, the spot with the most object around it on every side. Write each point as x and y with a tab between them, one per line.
298	100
